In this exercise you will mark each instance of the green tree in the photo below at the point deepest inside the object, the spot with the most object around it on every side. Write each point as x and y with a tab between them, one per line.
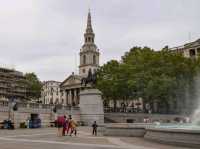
107	80
155	76
34	85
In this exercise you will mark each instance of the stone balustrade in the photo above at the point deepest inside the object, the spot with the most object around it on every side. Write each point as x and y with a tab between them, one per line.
3	103
38	106
44	111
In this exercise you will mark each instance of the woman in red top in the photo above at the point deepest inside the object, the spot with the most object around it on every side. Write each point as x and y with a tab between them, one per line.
60	122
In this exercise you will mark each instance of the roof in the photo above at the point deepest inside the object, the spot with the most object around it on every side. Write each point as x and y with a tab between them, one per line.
194	43
72	76
51	81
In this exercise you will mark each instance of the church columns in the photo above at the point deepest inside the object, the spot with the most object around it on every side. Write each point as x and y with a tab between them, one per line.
72	96
77	96
67	97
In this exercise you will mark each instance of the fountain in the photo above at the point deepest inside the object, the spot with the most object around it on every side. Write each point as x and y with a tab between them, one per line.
187	134
177	133
196	117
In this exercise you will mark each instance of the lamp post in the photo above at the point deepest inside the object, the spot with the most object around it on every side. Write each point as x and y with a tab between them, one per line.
12	106
9	109
53	113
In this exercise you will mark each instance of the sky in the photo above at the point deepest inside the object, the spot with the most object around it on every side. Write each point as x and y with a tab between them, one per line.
45	36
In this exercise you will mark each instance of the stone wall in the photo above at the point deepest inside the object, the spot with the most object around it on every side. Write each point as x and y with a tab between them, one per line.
44	112
125	129
139	117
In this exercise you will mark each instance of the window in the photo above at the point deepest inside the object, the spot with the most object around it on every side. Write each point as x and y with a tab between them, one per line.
84	59
94	59
51	101
56	102
198	50
192	53
83	70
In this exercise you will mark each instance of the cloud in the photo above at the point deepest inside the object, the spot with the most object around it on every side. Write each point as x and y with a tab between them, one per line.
45	36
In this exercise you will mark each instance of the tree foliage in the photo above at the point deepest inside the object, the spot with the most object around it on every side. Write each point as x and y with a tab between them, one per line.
155	76
34	85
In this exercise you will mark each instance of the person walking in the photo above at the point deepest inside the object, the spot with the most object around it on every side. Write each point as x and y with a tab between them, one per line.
64	125
73	127
60	121
94	128
68	124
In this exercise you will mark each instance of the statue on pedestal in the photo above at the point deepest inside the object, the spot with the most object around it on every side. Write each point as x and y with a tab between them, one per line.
90	79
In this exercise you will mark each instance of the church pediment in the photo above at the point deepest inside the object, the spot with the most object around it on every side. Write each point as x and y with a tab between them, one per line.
193	44
71	80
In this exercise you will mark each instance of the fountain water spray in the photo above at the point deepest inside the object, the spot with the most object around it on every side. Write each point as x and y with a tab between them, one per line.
196	115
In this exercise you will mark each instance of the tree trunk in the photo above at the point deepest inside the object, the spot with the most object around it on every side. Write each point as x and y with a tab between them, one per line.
115	105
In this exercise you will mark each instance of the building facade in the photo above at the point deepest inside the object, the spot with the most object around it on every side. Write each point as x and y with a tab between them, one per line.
51	93
13	85
189	50
89	59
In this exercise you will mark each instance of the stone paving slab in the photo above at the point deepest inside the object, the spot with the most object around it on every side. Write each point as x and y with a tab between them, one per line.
149	144
46	138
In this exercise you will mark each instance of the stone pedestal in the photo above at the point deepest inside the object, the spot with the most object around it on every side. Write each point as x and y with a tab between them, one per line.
91	106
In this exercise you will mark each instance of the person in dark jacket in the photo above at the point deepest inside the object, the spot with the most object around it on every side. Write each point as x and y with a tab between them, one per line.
64	125
94	128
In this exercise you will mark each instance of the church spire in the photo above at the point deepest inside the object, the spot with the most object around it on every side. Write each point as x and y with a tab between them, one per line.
89	23
89	34
89	53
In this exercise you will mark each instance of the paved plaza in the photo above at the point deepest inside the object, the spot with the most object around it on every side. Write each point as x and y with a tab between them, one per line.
46	138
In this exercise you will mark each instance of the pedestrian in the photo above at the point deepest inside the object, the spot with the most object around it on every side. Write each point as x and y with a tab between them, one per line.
60	122
94	126
69	124
73	127
27	122
64	125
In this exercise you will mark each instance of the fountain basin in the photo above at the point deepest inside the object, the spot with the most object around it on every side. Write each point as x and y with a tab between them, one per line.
174	135
126	129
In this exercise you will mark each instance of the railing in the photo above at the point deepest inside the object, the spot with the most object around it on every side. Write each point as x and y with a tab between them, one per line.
46	106
4	103
22	105
34	105
123	110
39	106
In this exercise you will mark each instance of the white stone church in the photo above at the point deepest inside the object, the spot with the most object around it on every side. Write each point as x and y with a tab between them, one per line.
89	59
